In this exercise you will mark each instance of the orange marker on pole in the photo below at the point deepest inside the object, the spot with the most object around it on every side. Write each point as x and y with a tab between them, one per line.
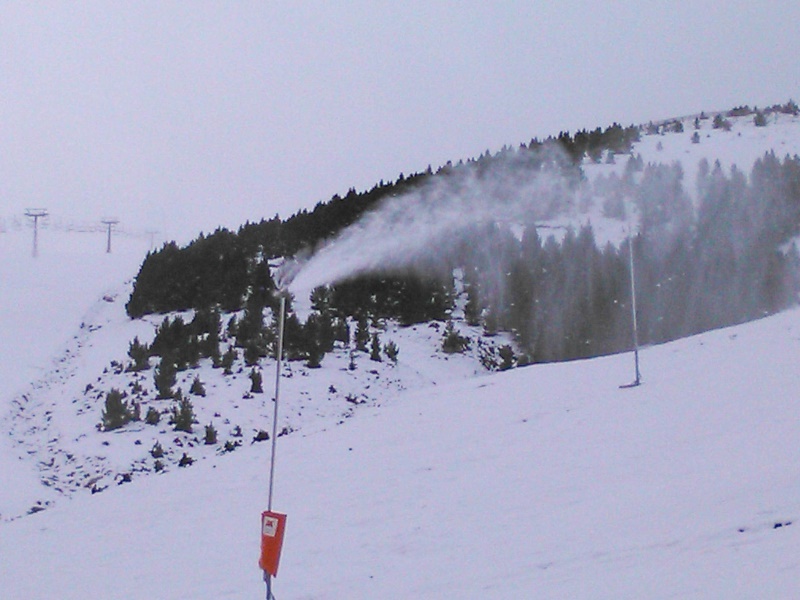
272	527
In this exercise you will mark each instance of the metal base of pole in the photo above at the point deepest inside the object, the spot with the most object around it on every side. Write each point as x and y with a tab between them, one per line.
268	581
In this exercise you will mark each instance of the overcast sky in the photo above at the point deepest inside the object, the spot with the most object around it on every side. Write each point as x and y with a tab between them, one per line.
182	116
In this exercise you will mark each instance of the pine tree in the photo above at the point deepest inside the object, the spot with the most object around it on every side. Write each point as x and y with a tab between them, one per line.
362	333
375	348
197	388
341	331
140	355
165	376
256	382
252	354
228	359
209	326
116	413
183	415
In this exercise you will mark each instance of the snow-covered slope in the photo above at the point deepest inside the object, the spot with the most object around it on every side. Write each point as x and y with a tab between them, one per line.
46	306
547	481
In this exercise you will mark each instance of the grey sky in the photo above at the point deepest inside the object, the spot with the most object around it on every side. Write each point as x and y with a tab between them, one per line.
181	116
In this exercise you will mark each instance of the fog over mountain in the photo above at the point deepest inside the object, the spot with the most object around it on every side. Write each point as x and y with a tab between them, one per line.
184	116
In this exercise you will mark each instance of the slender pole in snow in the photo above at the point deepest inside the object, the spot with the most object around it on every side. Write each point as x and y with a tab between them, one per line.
279	360
638	378
279	357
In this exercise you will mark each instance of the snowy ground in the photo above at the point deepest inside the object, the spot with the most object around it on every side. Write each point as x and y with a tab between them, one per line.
45	301
548	481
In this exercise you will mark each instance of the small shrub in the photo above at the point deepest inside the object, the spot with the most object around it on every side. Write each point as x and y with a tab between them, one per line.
230	446
391	350
197	389
721	122
256	382
211	435
507	357
152	417
453	342
488	358
157	451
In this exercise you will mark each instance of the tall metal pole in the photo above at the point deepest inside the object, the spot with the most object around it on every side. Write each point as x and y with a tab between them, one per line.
638	378
279	361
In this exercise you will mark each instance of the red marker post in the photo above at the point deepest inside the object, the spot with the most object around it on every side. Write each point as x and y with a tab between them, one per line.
272	527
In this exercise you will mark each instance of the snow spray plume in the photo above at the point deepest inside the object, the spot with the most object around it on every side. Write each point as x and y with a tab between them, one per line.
420	229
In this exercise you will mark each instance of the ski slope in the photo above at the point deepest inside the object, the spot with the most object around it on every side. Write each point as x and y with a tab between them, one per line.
46	303
548	481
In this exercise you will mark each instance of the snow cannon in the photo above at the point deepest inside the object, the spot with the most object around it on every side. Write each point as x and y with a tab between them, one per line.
273	523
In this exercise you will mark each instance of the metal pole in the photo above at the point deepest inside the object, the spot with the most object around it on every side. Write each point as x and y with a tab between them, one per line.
637	380
279	360
279	356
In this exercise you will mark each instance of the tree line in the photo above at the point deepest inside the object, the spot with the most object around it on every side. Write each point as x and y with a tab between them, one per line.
725	259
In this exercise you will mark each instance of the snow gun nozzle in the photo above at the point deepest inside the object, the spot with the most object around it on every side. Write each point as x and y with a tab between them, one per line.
285	274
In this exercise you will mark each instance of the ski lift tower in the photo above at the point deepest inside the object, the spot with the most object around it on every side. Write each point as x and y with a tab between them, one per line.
109	223
35	214
151	233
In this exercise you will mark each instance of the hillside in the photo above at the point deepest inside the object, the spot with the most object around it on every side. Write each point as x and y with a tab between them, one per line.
425	476
546	481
